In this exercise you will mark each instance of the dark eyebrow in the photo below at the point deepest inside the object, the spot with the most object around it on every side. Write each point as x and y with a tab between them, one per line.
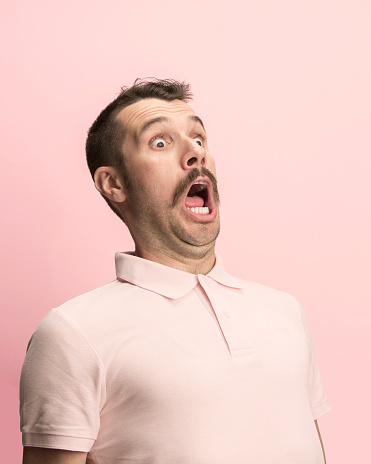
163	119
149	123
197	119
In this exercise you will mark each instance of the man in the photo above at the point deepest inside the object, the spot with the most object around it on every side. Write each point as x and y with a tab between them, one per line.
175	361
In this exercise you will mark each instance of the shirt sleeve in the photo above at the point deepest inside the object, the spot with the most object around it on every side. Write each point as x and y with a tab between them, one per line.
318	397
61	387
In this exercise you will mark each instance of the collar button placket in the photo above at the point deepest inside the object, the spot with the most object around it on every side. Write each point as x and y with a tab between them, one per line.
222	312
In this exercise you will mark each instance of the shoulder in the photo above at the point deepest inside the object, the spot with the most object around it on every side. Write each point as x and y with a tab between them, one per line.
268	294
267	302
75	317
101	296
96	305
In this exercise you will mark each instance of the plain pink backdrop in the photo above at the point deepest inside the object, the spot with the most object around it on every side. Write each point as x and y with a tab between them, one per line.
284	89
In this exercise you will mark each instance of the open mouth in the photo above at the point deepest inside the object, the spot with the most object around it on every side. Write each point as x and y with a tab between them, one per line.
198	199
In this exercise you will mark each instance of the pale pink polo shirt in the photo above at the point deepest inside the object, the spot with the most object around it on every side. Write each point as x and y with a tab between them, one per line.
166	367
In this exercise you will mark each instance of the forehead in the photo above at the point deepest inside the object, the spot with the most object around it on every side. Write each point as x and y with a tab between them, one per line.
137	114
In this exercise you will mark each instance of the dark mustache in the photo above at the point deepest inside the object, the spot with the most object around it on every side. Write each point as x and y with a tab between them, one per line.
191	177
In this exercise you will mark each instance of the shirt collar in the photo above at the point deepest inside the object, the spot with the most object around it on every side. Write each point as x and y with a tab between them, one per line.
167	281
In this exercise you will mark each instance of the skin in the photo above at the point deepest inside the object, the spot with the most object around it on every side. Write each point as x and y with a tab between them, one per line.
162	232
170	235
54	456
33	455
320	439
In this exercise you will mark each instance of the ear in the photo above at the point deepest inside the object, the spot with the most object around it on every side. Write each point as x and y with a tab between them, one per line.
109	183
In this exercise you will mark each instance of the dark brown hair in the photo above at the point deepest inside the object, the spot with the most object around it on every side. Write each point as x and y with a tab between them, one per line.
105	136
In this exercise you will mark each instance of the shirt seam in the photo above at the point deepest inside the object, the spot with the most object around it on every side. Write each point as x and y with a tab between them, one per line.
58	435
213	315
199	293
321	404
77	327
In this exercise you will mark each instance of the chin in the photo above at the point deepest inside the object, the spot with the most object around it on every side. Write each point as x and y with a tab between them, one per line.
202	239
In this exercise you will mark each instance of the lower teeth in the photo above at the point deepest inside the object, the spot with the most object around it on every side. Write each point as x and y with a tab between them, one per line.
199	210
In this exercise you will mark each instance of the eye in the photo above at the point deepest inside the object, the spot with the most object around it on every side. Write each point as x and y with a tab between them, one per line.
158	142
199	140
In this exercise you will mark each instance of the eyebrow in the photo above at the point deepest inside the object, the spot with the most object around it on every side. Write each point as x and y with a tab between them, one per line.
164	119
197	119
149	123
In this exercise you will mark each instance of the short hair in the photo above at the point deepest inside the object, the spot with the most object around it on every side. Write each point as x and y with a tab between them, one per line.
105	136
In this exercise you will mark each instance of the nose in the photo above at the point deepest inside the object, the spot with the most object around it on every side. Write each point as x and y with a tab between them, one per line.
194	155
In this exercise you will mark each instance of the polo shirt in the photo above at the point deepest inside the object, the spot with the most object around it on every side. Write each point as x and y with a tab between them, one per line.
162	366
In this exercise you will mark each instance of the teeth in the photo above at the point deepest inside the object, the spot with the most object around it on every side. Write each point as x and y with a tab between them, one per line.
199	210
201	184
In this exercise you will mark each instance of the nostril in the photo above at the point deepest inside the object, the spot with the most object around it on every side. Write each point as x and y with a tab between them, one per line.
191	161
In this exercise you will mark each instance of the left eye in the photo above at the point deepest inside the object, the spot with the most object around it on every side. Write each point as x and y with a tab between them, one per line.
158	142
199	140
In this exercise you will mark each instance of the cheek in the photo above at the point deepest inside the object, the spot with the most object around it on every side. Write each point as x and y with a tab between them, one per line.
159	183
144	173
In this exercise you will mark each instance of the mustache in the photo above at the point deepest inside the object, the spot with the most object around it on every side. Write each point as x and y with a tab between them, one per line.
191	177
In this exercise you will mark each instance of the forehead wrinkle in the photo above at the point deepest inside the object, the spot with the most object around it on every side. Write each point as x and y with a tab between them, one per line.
146	110
133	115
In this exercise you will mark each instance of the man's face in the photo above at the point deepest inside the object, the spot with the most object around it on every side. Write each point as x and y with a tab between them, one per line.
172	200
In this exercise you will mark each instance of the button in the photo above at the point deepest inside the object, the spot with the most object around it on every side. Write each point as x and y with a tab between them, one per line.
227	313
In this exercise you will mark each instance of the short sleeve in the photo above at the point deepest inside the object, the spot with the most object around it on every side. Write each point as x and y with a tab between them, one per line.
61	388
318	397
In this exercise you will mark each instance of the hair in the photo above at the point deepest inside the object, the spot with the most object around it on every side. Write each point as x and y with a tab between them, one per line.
105	136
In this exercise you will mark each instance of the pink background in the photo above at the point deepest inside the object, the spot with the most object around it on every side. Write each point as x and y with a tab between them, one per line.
284	89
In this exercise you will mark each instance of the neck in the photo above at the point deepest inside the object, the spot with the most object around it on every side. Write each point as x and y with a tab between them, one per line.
200	264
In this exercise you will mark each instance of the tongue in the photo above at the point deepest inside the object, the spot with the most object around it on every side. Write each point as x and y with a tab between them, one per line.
194	202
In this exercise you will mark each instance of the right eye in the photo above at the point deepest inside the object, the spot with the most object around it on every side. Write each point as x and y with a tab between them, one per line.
158	142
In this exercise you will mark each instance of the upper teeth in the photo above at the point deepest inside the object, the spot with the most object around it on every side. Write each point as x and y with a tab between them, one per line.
201	183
